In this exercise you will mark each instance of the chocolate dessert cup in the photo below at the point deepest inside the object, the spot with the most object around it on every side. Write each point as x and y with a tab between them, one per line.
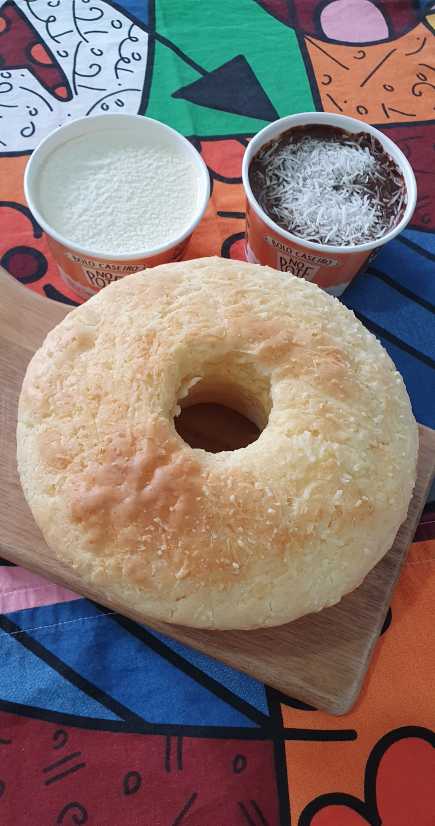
332	267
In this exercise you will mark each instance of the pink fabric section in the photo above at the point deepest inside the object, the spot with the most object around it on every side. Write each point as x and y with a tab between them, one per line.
20	589
353	21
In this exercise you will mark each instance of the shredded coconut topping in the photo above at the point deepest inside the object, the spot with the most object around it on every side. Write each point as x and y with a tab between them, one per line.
339	189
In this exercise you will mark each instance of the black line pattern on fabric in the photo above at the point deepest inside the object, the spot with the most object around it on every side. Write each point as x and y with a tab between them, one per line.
245	814
61	762
259	813
179	52
37	231
228	243
387	622
337	105
167	761
232	88
76	51
331	799
320	735
104	106
416	51
55	295
121	58
331	57
405	125
292	702
180	817
47	21
241	137
190	670
180	752
78	813
68	673
367	808
239	763
378	66
64	774
399	112
426	528
268	729
252	814
146	86
100	89
131	783
282	785
398	342
387	279
153	37
172	729
427	66
309	69
37	261
41	97
228	214
416	247
60	738
224	179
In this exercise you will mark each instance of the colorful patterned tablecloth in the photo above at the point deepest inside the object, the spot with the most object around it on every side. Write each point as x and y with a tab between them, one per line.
103	721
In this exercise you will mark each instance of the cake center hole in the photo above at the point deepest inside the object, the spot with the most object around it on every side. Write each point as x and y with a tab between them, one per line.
217	416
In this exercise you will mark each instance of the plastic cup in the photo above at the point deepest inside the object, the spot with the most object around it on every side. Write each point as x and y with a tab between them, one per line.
86	271
331	267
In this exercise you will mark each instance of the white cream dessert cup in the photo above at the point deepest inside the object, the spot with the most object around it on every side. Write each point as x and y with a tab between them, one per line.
86	271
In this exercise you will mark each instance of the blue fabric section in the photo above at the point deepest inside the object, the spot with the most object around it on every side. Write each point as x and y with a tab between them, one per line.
26	679
425	239
411	267
140	9
243	686
396	313
95	646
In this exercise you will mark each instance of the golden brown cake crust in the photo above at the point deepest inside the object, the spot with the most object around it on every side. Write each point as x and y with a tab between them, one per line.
240	539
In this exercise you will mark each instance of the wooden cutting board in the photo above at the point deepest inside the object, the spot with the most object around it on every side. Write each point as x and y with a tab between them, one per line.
320	659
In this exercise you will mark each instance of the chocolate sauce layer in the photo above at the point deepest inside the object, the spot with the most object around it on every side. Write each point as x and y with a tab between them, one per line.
328	185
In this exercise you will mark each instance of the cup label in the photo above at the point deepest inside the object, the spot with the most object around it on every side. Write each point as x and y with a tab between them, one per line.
273	250
87	276
293	264
99	274
311	259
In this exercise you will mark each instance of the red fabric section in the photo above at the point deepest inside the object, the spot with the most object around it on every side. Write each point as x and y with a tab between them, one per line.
51	773
404	787
21	47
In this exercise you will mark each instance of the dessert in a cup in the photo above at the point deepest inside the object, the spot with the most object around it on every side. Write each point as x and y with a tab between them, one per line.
323	193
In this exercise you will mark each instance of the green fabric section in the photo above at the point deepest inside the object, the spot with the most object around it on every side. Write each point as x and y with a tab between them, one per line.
211	32
169	74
